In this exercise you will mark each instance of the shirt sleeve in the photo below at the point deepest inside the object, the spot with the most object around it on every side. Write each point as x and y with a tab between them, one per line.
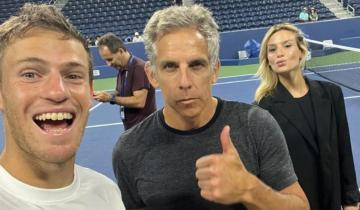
140	80
128	189
276	168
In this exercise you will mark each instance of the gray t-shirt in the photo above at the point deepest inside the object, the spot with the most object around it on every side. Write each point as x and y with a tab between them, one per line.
155	164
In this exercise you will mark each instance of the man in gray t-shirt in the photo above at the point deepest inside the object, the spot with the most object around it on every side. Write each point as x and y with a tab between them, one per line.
160	161
185	156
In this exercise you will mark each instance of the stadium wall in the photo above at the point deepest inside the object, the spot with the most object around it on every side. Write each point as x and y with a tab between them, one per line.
341	31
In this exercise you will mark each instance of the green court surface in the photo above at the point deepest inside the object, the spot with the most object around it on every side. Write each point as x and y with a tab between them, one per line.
333	59
226	71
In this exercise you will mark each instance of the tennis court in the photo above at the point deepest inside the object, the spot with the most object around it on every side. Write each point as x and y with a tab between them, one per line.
235	83
104	126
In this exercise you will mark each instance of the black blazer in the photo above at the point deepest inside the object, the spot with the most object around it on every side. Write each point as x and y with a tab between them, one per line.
323	162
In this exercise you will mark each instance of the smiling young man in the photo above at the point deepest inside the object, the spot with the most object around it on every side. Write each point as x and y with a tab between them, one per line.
184	156
45	96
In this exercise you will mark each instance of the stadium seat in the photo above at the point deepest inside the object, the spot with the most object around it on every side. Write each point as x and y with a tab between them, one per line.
98	16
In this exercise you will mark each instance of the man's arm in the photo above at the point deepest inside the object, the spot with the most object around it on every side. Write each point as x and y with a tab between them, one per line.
138	99
223	178
263	197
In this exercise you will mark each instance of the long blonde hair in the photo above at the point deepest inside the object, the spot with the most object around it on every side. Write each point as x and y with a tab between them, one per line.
268	78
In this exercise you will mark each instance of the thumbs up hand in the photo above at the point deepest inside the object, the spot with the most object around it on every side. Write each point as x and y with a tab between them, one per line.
223	178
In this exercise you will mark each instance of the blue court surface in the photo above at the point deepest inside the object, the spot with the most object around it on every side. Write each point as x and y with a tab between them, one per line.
104	125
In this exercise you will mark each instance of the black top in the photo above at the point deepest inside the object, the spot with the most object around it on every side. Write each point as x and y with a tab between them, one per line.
305	107
307	110
323	162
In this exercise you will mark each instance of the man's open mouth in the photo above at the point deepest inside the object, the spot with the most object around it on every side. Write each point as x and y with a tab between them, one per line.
54	122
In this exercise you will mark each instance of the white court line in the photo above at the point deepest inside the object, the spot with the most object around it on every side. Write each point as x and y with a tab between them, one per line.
243	75
308	73
248	80
255	79
237	81
235	76
104	125
351	97
228	77
96	106
120	123
220	83
337	70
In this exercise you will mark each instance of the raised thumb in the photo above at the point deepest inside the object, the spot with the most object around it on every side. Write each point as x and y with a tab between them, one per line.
226	143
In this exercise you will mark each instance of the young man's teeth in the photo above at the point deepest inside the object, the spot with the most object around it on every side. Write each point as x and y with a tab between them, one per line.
54	116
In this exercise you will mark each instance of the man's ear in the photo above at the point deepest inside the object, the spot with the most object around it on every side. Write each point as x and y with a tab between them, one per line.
119	51
151	74
216	71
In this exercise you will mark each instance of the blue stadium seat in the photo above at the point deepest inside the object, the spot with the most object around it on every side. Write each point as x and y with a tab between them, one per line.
125	17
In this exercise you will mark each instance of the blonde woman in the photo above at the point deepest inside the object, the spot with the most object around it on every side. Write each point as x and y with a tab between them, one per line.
313	119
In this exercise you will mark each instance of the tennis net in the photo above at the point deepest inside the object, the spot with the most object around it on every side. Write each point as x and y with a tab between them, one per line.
336	63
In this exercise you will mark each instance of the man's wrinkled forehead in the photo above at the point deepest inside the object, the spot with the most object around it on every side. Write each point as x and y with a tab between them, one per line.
32	32
37	32
160	35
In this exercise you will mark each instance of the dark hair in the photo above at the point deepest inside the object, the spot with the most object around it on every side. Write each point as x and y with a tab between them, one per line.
41	16
112	42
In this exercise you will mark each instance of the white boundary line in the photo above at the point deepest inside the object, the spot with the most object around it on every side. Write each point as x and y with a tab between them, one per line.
351	97
96	106
237	81
219	83
120	123
235	76
243	75
255	79
103	125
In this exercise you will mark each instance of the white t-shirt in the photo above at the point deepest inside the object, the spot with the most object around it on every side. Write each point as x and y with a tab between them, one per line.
138	39
90	190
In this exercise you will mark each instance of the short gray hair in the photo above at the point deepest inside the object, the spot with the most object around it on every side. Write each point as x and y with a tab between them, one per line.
175	17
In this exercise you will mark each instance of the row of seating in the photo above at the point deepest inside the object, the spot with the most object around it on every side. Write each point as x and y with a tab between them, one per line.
355	5
246	14
11	7
113	5
95	17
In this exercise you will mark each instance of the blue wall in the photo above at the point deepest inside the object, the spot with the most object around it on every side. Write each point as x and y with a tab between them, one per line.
343	32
